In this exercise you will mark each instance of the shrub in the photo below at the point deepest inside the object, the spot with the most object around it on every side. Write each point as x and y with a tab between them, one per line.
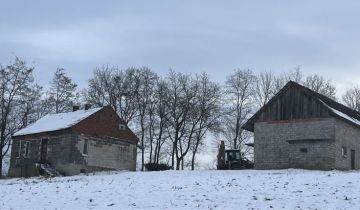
157	167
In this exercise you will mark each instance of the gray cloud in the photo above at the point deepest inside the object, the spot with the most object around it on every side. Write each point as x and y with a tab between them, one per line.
189	36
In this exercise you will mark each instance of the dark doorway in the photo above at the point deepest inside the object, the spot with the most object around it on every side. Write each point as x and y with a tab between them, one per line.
43	151
352	155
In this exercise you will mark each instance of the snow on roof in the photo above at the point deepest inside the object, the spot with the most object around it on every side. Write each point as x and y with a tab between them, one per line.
54	122
347	117
342	114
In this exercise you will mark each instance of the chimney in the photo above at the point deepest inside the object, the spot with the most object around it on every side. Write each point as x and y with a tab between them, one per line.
75	108
87	106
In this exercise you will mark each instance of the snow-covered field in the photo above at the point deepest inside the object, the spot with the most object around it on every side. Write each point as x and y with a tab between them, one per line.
283	189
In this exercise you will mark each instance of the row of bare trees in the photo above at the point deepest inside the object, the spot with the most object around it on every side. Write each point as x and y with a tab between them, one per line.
173	115
22	101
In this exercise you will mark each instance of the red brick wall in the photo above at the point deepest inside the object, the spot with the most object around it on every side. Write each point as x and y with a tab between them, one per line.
104	123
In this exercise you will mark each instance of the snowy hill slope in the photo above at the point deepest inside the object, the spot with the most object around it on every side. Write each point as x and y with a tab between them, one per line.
283	189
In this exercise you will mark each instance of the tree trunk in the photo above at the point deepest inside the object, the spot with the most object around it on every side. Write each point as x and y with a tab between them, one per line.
2	146
178	163
193	160
142	157
1	165
173	158
158	153
155	151
151	150
142	146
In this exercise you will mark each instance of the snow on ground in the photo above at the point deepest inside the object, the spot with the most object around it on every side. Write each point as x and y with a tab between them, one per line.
282	189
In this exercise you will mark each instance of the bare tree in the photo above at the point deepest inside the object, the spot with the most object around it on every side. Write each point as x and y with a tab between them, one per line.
315	82
352	98
62	91
206	110
14	80
294	75
158	120
180	99
144	96
239	94
127	84
101	88
30	105
321	85
115	87
264	88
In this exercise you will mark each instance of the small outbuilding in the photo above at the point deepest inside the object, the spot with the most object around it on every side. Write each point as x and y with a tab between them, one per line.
300	128
71	143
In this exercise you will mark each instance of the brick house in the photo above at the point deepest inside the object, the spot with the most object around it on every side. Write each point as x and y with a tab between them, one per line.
70	143
300	128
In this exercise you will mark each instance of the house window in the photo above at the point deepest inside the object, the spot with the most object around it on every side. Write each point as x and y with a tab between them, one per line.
303	150
124	152
24	149
27	147
85	148
344	151
122	127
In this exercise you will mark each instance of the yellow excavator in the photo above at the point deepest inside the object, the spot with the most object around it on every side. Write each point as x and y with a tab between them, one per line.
231	159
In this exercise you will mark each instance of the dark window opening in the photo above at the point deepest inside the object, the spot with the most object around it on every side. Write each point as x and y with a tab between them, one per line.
82	171
344	151
122	127
27	147
304	150
85	148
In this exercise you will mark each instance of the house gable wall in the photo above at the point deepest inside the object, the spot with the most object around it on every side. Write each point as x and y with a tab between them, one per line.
104	123
294	103
273	150
291	103
346	136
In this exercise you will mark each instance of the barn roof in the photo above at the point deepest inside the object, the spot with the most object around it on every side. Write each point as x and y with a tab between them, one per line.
336	109
55	122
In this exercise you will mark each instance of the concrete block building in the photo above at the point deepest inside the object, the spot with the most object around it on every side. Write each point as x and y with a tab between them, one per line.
300	128
75	142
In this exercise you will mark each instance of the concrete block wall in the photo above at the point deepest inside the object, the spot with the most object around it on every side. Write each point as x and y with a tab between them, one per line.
64	153
272	149
318	155
58	153
24	166
107	153
348	136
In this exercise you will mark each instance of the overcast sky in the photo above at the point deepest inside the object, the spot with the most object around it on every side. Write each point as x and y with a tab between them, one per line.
188	36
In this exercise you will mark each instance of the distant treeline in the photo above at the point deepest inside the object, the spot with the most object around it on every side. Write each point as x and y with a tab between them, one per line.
171	114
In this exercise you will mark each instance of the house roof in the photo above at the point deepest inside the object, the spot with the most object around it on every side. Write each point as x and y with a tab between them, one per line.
55	122
336	109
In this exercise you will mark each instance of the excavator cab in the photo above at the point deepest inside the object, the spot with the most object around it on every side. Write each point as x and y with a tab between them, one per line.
231	159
